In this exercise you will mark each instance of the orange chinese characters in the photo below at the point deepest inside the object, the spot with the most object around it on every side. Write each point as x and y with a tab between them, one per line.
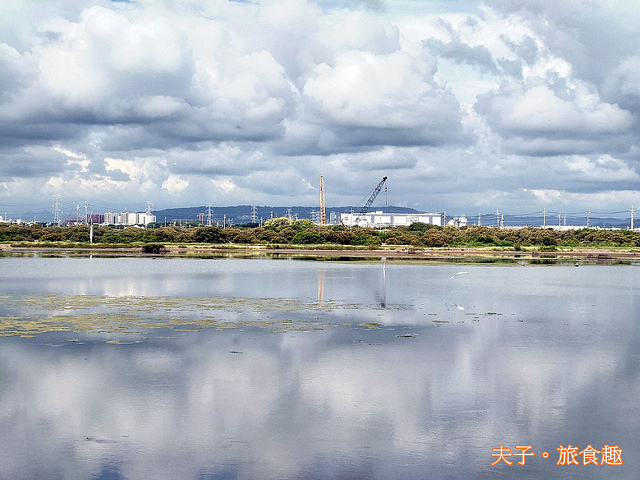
502	453
525	453
567	455
611	455
589	455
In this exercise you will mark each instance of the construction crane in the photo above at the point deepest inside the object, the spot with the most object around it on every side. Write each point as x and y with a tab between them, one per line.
323	213
372	197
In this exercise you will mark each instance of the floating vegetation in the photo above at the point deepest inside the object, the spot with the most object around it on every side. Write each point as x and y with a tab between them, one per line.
119	317
371	325
27	326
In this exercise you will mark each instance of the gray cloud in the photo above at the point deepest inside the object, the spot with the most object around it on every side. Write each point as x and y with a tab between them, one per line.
385	160
511	67
31	162
622	85
16	71
373	4
224	159
537	112
209	99
526	49
592	36
478	56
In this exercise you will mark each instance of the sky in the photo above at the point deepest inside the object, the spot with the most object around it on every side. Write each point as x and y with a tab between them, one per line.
467	106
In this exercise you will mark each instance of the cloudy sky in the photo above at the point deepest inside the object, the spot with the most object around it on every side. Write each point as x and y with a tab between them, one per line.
467	106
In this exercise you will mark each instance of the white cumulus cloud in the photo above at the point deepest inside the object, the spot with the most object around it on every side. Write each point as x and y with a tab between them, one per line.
174	184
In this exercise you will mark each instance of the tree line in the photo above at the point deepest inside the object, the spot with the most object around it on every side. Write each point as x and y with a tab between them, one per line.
282	231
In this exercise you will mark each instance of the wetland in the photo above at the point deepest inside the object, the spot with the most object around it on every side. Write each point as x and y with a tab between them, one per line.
283	367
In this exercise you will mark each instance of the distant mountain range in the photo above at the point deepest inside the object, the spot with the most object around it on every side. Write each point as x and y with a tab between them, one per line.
238	214
241	214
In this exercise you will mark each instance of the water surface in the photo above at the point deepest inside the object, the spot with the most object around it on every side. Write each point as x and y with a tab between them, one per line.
223	368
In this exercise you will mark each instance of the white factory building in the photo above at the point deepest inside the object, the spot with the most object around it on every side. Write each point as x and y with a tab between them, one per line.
380	219
129	218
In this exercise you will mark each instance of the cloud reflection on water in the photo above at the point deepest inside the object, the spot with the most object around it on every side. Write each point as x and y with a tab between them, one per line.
346	400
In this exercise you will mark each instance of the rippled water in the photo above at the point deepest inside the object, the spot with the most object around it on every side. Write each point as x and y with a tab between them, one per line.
274	369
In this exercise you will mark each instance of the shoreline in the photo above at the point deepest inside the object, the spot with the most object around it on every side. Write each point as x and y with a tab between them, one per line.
394	252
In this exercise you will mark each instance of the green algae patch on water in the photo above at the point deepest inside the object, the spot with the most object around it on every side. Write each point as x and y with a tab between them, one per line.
119	318
27	326
371	325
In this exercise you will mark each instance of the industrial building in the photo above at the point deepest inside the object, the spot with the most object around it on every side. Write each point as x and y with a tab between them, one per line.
380	219
129	218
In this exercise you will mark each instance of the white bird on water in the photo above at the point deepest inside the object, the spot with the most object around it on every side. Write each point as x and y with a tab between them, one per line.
459	273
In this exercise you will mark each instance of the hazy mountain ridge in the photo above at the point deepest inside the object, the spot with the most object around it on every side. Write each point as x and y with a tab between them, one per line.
241	214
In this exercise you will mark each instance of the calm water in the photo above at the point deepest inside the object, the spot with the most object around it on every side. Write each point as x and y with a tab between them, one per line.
144	368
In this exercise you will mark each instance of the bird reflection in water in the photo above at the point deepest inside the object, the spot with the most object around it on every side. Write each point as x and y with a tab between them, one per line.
382	289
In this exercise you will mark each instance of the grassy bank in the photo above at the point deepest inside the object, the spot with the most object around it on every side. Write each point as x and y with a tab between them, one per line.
304	234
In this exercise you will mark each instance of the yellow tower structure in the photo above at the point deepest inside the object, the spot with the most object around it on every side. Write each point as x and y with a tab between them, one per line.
323	213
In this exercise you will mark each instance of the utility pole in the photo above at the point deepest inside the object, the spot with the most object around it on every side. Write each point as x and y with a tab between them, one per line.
502	220
209	214
254	214
544	217
559	219
479	219
86	212
498	218
588	212
57	200
633	211
323	211
77	213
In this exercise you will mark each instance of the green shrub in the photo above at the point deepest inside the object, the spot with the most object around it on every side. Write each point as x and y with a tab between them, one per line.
307	237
